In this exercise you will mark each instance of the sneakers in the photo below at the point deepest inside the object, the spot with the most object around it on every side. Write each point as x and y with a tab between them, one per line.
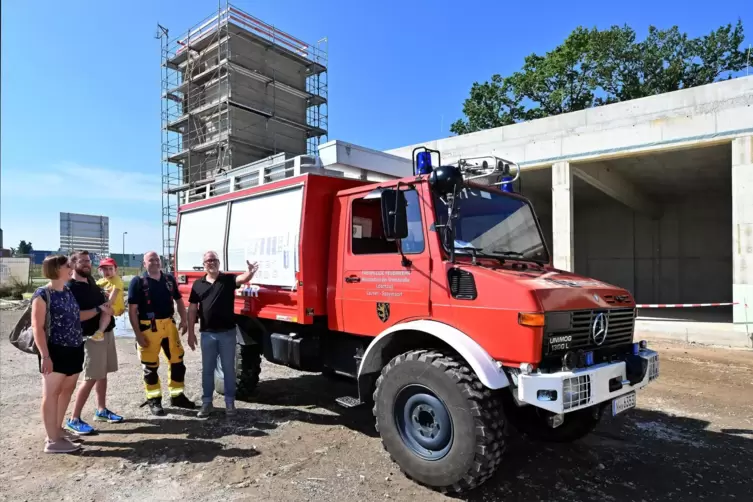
155	406
107	416
98	336
206	410
62	445
230	410
73	438
181	401
78	426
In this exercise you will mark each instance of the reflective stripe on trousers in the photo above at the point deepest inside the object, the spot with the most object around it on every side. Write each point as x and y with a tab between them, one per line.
166	340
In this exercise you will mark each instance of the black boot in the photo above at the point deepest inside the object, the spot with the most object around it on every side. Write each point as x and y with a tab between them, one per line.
181	401
155	406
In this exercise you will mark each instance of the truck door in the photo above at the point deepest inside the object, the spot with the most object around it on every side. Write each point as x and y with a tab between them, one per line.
377	290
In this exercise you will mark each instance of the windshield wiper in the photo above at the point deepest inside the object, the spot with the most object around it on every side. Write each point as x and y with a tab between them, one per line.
516	254
475	252
509	254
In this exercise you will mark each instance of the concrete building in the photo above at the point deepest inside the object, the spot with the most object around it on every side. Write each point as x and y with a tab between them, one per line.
654	194
235	90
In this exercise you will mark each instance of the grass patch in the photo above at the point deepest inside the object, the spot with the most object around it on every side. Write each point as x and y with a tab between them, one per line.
15	289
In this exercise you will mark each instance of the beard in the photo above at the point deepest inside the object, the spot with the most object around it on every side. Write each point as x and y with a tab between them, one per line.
84	272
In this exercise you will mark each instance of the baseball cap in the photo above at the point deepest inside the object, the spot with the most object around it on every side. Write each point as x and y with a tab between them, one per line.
107	262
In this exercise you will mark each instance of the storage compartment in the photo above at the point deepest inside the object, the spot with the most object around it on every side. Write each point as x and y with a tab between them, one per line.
294	350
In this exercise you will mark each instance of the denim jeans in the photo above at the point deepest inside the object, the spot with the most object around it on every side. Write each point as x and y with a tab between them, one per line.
220	344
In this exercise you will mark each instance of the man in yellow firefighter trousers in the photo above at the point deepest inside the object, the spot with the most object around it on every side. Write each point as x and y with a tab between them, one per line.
151	312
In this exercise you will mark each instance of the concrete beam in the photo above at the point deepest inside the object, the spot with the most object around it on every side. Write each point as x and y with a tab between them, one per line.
617	187
742	230
562	217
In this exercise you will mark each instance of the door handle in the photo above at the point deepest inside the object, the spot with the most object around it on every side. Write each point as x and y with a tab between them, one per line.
353	278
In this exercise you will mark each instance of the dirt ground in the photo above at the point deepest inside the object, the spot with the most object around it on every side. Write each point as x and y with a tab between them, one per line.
690	439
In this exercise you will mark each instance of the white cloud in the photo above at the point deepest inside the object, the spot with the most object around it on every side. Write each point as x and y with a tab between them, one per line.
71	179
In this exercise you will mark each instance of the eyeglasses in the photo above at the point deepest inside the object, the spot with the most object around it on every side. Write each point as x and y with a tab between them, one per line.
212	260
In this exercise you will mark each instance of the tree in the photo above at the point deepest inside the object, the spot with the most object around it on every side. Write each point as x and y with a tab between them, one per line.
595	67
24	248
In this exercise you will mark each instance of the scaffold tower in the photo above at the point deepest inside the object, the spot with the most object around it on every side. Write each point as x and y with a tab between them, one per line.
235	90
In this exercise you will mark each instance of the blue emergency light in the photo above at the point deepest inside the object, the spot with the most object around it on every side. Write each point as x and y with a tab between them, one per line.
423	161
507	187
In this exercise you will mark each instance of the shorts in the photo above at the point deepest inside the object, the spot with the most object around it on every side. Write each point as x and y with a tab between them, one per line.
66	360
101	357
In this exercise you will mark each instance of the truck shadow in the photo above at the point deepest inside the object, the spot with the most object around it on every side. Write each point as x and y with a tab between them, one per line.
312	391
647	455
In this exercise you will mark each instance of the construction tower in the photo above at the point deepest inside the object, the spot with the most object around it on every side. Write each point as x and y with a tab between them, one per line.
234	90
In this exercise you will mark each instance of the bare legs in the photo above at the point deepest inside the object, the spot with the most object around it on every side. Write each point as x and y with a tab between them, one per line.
84	391
56	395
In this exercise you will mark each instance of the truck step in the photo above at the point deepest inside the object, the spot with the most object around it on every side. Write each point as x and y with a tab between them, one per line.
348	401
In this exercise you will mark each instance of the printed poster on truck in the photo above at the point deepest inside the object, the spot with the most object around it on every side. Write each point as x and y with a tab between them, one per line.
265	229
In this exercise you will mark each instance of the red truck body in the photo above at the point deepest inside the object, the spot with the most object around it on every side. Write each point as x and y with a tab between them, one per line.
418	324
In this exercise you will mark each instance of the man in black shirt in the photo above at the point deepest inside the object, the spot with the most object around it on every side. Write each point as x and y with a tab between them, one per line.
212	299
101	357
150	309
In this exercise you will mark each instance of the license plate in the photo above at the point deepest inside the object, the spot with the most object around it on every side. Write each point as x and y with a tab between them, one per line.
623	403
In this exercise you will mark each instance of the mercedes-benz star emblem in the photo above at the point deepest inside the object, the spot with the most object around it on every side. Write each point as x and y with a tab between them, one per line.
599	328
596	297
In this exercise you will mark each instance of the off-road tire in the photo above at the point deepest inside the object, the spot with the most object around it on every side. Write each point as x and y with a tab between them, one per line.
247	371
531	422
475	411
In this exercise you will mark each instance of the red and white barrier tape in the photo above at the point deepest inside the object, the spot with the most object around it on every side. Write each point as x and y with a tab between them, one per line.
683	305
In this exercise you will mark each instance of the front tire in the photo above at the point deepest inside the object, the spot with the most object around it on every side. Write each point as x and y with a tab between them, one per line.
247	371
438	422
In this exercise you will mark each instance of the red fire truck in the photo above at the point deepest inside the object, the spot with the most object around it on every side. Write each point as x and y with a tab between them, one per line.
432	287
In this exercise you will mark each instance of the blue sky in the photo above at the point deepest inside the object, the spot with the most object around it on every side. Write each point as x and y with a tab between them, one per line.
81	86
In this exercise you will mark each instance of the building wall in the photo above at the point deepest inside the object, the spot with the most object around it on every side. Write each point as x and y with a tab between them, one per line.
685	257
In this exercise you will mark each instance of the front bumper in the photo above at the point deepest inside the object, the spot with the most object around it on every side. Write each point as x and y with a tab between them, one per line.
567	391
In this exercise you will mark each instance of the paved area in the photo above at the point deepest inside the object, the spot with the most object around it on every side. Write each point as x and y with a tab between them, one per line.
690	439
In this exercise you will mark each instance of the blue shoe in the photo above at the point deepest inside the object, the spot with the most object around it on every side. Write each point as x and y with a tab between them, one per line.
107	416
79	427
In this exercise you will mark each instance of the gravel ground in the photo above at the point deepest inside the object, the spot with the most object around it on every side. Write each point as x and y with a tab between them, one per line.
690	439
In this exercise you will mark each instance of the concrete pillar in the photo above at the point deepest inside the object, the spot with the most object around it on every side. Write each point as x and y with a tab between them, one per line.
562	216
742	229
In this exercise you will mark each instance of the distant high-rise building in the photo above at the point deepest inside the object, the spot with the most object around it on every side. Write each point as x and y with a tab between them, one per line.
85	231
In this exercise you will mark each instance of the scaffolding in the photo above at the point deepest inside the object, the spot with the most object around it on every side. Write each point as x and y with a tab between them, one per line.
235	90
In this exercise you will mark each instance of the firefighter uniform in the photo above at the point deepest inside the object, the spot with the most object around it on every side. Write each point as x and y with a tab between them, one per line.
156	320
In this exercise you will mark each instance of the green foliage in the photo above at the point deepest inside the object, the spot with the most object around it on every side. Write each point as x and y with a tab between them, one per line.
595	67
24	248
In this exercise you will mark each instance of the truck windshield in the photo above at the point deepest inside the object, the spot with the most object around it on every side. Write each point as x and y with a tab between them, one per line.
494	224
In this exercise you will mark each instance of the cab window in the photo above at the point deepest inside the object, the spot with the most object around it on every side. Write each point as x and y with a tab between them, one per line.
367	230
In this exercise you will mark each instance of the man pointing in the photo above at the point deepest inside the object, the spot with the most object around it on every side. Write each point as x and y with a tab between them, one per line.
212	299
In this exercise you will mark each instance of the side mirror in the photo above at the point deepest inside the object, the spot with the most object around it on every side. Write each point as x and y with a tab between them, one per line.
394	214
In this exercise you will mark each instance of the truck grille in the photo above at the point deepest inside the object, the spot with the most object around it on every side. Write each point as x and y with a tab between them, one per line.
568	331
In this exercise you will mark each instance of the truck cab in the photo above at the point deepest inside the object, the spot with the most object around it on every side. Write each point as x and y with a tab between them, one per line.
436	293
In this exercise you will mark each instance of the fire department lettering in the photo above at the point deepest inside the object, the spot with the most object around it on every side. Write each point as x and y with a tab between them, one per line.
560	342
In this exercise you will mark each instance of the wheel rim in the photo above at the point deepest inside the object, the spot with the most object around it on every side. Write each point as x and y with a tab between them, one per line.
423	422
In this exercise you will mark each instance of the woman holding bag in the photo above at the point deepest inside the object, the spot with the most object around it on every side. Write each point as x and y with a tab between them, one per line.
60	343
